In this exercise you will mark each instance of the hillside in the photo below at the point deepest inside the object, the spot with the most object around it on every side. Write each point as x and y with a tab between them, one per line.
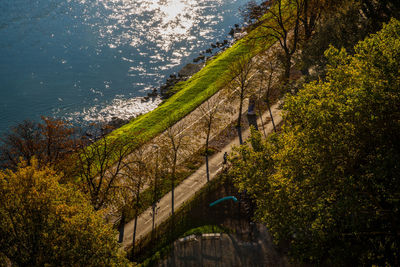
307	105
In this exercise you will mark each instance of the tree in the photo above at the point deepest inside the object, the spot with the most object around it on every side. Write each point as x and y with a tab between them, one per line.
251	163
380	11
311	13
174	142
241	82
50	142
329	184
283	25
99	163
135	172
157	174
252	12
43	223
209	111
343	24
265	82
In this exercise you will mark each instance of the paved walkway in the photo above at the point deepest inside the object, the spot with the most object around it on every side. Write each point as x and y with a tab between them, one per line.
187	189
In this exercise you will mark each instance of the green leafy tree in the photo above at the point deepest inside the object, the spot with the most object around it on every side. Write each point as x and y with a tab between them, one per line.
328	185
43	223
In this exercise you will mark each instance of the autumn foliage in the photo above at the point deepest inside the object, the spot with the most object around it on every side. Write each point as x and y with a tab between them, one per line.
43	223
49	141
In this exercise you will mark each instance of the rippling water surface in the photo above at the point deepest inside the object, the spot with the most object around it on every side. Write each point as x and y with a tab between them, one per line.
90	60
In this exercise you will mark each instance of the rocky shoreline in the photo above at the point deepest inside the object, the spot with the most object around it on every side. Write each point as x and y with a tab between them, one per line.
166	90
199	62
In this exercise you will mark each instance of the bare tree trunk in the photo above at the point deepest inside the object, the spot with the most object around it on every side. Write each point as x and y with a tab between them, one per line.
176	142
154	206
172	197
207	141
121	228
241	82
281	34
287	69
155	191
173	184
262	122
207	168
270	114
259	107
268	95
209	110
136	217
239	125
310	15
134	236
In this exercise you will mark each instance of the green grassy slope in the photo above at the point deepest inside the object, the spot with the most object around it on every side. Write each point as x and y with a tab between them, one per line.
191	93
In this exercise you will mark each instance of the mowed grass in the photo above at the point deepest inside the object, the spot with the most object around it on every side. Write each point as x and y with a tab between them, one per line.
191	93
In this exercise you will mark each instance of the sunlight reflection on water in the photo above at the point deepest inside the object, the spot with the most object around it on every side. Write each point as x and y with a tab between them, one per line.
79	59
163	24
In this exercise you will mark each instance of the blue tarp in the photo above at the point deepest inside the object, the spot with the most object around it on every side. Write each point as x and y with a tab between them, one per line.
223	199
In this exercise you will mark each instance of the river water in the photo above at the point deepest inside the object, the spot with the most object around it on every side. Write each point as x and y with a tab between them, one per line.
91	60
